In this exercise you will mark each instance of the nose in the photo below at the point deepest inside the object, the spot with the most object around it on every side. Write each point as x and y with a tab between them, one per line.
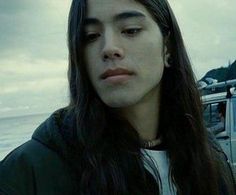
111	50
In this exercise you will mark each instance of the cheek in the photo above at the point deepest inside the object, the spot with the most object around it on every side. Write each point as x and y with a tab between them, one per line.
89	56
91	62
149	62
150	58
148	47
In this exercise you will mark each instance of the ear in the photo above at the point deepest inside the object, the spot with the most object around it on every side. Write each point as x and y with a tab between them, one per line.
166	57
167	49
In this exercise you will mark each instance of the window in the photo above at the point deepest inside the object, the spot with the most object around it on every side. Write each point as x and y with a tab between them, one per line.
234	114
214	116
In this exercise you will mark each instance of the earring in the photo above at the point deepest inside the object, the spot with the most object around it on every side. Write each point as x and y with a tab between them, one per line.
168	61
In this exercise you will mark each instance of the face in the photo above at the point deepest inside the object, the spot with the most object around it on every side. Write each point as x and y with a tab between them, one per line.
122	34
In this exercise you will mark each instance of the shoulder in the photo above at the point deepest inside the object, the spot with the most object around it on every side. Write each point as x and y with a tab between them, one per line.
30	166
227	180
218	152
30	153
16	168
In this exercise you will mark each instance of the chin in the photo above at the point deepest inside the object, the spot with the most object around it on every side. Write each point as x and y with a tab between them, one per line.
120	102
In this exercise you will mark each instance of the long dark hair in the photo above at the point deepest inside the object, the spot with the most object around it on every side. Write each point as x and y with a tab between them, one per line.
106	147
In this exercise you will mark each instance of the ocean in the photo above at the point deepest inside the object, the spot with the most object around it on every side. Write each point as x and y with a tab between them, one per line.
14	131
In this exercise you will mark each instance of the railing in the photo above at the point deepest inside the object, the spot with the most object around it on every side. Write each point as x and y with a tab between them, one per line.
227	86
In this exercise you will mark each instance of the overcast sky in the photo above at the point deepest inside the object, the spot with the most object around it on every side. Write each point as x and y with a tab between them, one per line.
33	50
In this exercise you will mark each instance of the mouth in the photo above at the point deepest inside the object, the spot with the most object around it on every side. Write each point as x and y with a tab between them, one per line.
118	73
116	76
118	79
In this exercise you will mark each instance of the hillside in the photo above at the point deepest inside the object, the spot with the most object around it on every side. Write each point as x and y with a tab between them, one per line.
222	74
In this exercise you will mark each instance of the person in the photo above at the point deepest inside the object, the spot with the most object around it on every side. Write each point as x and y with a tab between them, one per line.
134	121
220	126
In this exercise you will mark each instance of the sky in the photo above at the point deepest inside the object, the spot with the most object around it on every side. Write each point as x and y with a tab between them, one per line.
33	48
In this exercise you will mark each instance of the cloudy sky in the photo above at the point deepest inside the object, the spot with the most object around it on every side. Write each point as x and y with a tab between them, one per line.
33	51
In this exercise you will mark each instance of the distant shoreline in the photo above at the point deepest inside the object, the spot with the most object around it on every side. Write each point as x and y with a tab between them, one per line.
26	115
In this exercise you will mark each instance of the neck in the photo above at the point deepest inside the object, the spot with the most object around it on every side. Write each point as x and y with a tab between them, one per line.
144	115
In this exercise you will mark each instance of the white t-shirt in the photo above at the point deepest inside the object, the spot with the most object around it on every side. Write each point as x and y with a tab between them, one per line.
162	163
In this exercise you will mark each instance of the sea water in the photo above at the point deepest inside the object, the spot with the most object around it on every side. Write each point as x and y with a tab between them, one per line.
14	131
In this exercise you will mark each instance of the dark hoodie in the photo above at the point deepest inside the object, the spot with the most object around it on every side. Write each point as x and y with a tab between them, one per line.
35	167
39	166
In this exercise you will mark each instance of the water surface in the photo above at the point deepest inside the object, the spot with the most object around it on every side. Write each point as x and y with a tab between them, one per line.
14	131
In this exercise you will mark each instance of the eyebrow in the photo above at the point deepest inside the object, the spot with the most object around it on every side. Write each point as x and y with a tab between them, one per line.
116	18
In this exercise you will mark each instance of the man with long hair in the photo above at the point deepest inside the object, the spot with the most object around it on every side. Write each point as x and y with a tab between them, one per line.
134	123
220	126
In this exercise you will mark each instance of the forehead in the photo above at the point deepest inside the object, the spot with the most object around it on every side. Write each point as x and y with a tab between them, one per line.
105	10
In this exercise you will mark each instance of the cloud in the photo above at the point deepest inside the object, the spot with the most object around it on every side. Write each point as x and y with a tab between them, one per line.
26	74
32	85
33	56
18	108
31	97
34	27
22	66
5	109
33	49
208	31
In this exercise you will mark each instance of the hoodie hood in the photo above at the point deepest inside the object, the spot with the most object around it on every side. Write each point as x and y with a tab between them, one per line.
49	133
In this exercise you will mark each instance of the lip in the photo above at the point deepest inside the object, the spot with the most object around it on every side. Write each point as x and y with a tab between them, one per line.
118	79
116	72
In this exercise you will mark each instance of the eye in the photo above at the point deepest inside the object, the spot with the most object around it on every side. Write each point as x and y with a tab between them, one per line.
131	31
90	37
